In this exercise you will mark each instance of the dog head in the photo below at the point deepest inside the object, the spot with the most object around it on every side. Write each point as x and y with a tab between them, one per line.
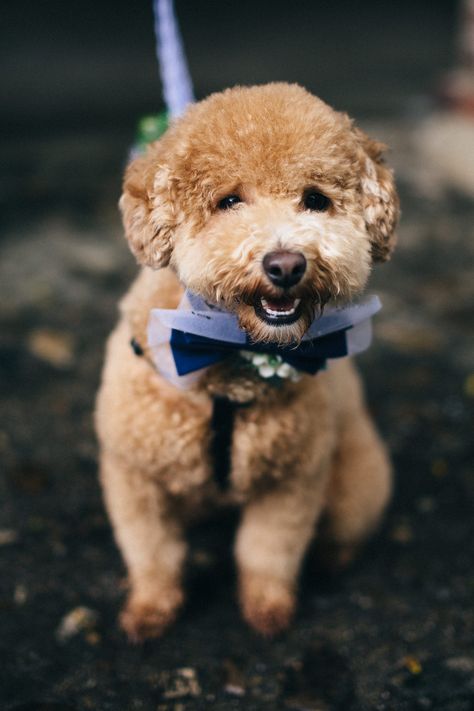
265	201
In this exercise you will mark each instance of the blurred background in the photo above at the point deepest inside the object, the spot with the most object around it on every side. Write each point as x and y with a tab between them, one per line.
396	631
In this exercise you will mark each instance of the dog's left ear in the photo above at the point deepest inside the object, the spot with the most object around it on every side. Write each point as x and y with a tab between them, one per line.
379	197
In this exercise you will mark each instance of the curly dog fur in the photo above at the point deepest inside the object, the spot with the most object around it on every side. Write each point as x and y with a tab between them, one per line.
302	453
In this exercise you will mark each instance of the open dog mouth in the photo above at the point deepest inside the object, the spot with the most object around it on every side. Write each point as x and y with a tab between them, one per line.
278	311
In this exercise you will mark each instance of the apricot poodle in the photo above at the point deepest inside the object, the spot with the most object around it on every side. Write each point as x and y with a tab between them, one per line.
268	205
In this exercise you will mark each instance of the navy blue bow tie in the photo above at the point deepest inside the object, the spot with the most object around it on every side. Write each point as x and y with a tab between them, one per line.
191	352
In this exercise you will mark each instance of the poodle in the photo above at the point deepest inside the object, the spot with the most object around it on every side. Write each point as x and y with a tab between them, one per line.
266	205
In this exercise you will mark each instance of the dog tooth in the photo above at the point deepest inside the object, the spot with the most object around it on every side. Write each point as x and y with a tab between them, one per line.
270	312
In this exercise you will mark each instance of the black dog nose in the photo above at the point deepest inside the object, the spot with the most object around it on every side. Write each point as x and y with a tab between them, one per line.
284	269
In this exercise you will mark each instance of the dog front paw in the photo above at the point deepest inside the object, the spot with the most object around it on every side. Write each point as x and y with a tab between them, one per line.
147	618
268	604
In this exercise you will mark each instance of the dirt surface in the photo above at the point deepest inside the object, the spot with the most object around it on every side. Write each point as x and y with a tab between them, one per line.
394	633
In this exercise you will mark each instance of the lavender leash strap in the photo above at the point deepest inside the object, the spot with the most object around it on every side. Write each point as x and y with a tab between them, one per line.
175	77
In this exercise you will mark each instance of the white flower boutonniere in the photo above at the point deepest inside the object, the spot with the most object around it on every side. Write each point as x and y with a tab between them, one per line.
271	366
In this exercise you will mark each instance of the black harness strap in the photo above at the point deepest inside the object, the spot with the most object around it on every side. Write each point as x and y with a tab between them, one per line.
222	424
136	347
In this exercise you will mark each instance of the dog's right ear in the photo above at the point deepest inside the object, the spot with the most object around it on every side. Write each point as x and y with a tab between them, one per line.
379	197
148	212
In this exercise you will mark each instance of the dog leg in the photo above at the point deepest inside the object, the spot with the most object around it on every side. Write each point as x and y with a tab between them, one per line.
271	542
359	489
151	542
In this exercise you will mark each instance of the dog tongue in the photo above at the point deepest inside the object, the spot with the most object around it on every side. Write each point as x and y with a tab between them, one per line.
283	304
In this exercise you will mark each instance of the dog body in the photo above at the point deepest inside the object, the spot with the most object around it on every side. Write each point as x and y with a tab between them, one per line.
268	203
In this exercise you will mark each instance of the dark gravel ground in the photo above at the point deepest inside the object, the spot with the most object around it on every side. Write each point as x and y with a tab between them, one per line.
394	633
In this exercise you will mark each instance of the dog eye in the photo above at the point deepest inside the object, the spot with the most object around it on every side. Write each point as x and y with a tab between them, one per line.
228	201
315	201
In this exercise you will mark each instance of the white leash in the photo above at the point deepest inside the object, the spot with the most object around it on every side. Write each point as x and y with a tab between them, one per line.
174	72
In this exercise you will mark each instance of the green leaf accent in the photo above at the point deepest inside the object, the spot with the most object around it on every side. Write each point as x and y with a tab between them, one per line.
150	128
